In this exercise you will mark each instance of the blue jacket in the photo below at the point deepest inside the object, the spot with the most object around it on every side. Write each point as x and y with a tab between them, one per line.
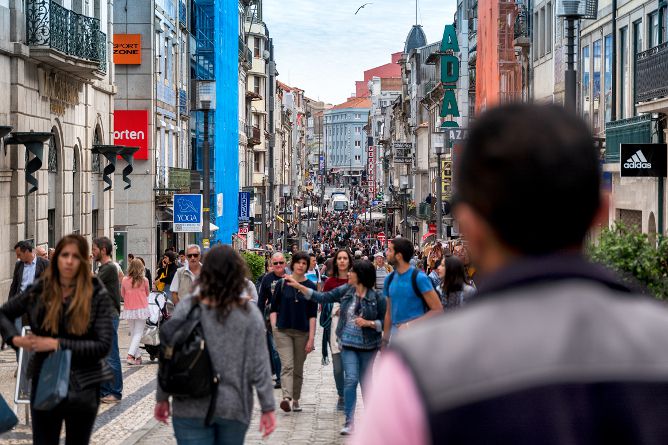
373	307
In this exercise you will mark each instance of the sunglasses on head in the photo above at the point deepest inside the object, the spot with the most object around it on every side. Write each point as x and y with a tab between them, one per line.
193	255
276	263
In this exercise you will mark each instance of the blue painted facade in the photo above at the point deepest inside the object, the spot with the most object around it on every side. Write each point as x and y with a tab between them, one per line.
215	26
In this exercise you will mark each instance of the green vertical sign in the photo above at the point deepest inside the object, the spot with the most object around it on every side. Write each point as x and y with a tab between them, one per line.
449	76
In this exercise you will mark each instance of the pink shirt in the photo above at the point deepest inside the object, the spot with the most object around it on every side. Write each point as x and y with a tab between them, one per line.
134	297
393	411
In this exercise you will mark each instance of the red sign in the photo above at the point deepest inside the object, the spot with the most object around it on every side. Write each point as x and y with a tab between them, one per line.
371	177
243	230
131	130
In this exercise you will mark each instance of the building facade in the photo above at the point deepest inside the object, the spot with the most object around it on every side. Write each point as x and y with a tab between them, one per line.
55	78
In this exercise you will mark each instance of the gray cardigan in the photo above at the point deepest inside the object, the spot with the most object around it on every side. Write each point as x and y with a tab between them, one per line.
238	350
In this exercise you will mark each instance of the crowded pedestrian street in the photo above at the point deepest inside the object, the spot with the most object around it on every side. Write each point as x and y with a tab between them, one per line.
333	222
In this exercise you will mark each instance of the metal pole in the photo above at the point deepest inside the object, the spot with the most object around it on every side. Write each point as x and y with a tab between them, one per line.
405	209
439	199
205	177
272	143
285	223
570	76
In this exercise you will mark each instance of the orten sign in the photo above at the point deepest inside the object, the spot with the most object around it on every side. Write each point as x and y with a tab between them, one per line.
127	49
131	129
449	75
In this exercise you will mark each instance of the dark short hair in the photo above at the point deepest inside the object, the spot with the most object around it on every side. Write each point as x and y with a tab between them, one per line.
366	273
104	243
182	252
533	174
170	255
223	278
299	256
404	247
24	246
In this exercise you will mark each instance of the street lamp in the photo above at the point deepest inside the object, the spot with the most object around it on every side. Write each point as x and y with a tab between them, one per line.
403	186
440	149
206	100
286	195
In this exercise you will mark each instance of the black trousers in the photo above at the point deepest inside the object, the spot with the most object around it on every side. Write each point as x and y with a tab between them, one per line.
78	412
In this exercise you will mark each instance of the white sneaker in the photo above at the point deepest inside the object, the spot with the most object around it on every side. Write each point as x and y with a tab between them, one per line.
347	430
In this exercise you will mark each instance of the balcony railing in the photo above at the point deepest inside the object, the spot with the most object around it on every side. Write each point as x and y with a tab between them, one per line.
49	25
183	14
652	73
253	134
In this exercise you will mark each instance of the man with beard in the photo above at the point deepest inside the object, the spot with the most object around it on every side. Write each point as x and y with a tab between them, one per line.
409	292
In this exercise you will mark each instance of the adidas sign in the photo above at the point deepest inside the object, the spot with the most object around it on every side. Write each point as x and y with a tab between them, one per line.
638	160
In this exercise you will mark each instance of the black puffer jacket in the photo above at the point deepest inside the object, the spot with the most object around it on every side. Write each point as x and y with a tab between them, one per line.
87	350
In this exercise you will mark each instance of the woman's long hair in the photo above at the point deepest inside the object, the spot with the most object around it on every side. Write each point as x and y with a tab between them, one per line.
455	275
223	278
80	302
136	272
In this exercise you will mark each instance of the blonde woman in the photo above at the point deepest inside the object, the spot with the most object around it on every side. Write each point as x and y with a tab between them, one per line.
134	290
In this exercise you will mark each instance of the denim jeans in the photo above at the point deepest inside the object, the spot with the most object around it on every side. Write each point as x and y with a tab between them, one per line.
273	357
192	431
115	386
338	372
356	365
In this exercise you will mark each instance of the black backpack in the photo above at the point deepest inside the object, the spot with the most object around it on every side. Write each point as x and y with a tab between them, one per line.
185	368
416	289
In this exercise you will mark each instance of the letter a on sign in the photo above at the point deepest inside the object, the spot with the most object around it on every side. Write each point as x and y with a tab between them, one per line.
449	107
449	42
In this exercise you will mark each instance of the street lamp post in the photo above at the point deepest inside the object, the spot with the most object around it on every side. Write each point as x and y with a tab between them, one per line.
439	193
286	194
206	99
403	186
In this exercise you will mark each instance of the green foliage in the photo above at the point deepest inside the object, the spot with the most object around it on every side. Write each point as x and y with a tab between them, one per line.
255	264
630	252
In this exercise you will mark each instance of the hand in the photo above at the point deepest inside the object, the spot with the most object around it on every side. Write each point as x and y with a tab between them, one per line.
22	342
267	424
362	323
309	346
290	281
161	411
338	311
43	344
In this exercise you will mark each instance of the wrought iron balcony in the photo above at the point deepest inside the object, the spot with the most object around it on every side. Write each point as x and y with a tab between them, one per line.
183	14
254	135
62	38
652	73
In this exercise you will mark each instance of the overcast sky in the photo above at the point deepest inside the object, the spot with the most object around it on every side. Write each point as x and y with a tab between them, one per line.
322	47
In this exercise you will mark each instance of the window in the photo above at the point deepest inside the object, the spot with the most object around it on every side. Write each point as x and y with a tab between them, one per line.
358	157
548	28
257	161
653	30
358	144
358	116
596	93
535	36
586	91
358	130
256	47
624	64
607	74
637	48
541	33
257	85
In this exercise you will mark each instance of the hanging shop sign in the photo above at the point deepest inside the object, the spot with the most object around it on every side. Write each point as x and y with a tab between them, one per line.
127	49
449	76
244	206
371	177
188	213
131	130
403	152
643	160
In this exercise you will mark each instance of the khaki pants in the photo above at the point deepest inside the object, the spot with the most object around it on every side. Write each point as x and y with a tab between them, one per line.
291	347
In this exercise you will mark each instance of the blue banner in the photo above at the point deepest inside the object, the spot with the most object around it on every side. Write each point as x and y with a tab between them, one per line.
188	213
244	206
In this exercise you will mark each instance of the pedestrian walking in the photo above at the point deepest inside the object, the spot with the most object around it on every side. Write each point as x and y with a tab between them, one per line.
265	299
111	391
166	274
409	292
382	270
183	282
70	310
562	341
343	260
359	329
293	324
147	272
135	290
454	290
233	329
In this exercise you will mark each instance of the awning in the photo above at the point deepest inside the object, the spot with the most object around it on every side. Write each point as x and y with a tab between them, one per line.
427	235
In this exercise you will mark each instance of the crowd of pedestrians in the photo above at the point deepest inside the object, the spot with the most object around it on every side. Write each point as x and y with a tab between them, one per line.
510	336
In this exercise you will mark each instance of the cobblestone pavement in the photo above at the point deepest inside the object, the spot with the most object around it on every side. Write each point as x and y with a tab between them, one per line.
131	421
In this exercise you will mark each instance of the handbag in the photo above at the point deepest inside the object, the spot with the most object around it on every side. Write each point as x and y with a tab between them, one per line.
54	380
7	417
151	335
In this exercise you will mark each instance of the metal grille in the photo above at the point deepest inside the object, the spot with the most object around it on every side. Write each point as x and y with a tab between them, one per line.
652	73
53	156
96	164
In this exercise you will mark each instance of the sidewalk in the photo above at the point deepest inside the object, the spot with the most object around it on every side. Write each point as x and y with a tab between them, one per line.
131	421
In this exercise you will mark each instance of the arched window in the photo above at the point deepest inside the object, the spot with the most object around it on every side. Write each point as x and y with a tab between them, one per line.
76	191
53	147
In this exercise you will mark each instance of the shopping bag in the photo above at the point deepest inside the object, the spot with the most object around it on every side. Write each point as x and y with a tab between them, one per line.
151	336
54	380
7	417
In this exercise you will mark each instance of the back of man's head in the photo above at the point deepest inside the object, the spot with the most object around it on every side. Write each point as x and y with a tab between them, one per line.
532	173
104	243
